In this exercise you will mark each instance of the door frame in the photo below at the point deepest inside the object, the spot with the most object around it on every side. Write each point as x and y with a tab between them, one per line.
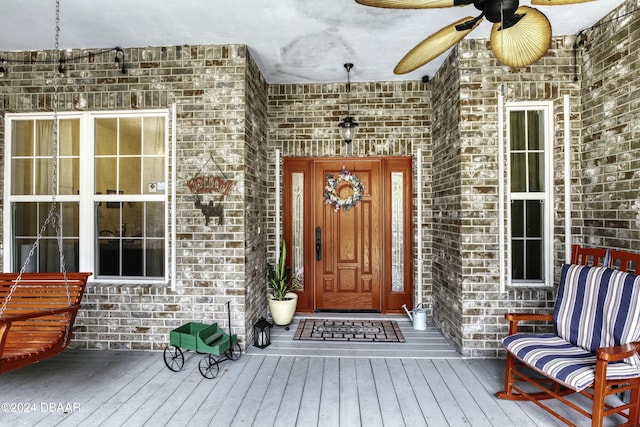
391	302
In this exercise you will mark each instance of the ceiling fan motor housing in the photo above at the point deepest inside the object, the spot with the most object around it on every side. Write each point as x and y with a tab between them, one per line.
497	10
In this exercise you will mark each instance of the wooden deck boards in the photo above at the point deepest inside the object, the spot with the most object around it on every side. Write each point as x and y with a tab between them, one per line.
264	389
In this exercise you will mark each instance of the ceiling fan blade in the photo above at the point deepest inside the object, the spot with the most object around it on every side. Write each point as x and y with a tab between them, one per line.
524	42
437	43
414	4
556	2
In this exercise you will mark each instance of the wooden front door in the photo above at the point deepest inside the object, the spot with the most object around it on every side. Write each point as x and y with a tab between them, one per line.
355	259
348	243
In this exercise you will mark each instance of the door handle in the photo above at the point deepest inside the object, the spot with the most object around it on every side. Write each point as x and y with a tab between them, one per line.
318	244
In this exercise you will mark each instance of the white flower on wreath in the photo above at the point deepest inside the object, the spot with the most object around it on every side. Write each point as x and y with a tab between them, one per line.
330	191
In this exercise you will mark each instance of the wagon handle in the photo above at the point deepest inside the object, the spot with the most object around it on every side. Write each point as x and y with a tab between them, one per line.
229	316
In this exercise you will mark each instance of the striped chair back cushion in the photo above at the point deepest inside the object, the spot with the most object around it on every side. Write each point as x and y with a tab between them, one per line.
598	307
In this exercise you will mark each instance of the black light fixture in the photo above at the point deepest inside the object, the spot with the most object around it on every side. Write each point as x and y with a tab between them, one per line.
348	125
262	333
2	70
120	61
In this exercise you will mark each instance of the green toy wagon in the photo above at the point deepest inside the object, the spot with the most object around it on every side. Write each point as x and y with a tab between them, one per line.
203	339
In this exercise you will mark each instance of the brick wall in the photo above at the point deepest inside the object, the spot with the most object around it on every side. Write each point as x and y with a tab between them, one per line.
610	149
447	180
220	100
255	206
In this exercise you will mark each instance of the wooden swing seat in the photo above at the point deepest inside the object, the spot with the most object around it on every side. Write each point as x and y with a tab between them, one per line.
38	318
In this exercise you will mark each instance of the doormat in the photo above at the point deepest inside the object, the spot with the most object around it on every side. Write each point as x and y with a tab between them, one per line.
349	330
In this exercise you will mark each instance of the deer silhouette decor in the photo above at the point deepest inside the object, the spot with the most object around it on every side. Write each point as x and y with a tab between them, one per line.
210	210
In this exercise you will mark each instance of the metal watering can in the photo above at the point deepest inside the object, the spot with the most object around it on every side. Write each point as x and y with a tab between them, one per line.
419	317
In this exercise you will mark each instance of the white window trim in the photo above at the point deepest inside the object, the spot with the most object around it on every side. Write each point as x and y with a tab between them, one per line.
87	229
547	108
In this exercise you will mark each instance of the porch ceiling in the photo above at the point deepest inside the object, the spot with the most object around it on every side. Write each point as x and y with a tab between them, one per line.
292	41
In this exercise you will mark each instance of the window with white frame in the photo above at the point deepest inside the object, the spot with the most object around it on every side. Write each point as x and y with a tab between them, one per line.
110	187
530	148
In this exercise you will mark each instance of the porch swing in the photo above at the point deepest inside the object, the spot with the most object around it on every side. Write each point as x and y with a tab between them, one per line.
39	309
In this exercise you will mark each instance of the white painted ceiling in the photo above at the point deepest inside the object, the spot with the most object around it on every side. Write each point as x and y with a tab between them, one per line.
291	40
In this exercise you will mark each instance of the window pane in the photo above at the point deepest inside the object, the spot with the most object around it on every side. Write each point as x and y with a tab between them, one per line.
153	172
534	260
69	131
297	235
125	242
517	130
21	255
44	138
517	218
69	176
108	219
71	219
534	218
109	246
518	173
154	136
527	230
22	136
535	130
106	137
43	212
130	175
28	221
132	219
131	136
71	250
32	160
397	232
536	172
154	226
108	257
49	256
106	174
44	170
517	259
132	257
22	176
155	258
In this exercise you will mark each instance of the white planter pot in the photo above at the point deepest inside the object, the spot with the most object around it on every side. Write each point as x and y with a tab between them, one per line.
282	311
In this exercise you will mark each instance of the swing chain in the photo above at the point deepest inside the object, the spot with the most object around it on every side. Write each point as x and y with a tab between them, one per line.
53	213
53	217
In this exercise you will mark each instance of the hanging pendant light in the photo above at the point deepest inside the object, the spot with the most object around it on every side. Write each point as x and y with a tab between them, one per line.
348	125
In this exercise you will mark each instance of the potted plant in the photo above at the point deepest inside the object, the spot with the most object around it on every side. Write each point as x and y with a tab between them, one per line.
282	301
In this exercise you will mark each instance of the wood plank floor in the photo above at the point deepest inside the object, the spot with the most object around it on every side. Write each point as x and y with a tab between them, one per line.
129	388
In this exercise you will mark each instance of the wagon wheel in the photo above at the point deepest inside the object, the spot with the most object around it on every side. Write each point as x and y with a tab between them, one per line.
235	352
209	367
173	358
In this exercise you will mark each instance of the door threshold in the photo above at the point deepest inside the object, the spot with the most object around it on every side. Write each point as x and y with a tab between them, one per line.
349	315
335	310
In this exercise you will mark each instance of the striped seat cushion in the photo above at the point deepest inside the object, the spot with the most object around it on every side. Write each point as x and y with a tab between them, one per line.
570	365
598	307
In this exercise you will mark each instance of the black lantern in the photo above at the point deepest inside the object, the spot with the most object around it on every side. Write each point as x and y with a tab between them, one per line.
348	125
262	333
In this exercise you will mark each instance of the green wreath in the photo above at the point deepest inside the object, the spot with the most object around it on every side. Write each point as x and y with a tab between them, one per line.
330	191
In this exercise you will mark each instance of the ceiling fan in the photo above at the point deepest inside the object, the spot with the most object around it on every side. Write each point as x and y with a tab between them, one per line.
519	37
